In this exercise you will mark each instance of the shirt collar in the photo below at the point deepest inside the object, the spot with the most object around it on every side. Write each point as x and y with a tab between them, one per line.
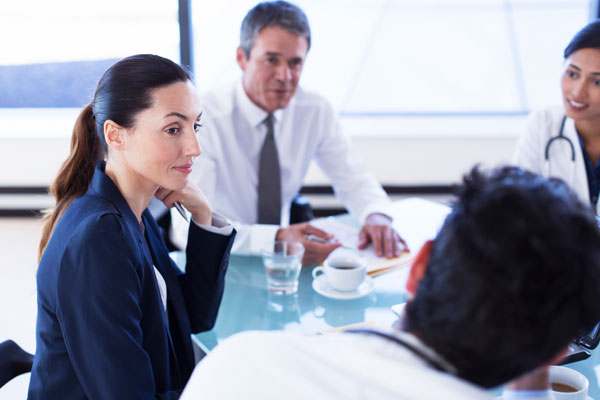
253	113
414	344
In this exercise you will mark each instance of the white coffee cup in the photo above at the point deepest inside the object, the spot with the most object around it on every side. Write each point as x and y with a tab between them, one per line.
343	273
576	381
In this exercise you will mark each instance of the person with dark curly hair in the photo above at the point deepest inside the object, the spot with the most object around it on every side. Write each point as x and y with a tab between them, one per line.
512	276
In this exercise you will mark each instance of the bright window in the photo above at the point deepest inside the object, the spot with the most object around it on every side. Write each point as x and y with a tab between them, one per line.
415	66
54	52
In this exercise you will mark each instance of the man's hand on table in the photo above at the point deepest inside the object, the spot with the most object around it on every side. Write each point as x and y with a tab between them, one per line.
314	252
386	241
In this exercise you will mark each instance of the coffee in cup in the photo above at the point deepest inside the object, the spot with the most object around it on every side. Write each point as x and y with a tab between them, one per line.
343	273
567	384
562	387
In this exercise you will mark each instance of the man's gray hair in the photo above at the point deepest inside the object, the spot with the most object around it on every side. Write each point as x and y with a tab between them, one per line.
273	13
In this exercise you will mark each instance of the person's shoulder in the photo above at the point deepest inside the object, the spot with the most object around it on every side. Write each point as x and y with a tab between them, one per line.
235	359
313	105
91	218
218	100
257	337
82	231
545	122
262	343
309	98
101	225
548	114
103	243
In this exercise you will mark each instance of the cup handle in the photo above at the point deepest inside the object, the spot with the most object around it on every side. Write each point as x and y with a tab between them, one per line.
316	271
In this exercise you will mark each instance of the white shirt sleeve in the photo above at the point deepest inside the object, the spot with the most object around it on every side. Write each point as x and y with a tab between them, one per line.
249	239
180	227
218	225
252	238
531	144
356	187
179	230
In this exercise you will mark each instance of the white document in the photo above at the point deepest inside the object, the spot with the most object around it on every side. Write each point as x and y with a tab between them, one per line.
345	234
348	237
416	220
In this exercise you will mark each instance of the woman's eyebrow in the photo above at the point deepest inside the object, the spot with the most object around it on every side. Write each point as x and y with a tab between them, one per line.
176	114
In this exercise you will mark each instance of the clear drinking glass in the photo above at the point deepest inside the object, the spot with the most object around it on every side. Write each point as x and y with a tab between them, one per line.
283	260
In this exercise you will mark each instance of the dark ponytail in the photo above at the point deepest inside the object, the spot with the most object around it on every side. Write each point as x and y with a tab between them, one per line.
124	91
76	172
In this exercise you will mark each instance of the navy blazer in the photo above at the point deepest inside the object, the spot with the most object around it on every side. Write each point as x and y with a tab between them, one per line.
102	332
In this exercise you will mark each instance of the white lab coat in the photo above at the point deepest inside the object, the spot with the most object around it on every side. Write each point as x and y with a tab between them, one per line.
286	365
256	365
543	125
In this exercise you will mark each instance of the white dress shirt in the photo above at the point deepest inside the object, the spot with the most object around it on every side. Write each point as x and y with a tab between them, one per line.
227	171
278	364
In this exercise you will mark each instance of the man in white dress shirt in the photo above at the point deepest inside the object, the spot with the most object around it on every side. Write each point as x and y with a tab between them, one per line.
275	39
512	276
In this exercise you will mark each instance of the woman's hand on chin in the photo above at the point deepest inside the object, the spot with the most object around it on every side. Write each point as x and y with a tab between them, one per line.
192	198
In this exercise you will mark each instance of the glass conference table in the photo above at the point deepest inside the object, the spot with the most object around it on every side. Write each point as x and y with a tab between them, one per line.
248	305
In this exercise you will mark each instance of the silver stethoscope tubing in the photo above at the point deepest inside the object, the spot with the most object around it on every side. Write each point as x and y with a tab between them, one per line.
561	137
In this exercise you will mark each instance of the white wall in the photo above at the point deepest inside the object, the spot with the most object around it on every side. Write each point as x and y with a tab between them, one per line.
399	150
31	161
429	160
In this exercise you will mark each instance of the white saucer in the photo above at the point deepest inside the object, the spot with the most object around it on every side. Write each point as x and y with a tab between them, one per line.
322	287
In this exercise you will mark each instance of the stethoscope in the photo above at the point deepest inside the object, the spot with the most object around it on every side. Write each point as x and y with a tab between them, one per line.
437	364
561	137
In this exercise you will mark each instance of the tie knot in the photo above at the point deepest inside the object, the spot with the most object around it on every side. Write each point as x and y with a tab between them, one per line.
268	121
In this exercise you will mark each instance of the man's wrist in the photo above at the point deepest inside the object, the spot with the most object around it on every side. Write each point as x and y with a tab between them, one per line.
378	218
279	234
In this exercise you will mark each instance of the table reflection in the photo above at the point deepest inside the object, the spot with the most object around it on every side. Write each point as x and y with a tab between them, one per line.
248	305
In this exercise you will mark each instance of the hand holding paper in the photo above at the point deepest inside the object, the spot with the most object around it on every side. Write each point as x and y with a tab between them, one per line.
349	238
386	241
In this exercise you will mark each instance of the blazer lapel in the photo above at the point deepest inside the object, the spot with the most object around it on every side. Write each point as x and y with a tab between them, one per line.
179	325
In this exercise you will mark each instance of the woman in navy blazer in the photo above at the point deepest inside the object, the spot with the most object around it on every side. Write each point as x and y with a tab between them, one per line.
115	314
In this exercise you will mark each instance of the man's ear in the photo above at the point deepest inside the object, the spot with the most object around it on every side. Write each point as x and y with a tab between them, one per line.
241	58
114	134
418	268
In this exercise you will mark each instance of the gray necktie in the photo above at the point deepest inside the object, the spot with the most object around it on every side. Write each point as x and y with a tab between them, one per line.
269	179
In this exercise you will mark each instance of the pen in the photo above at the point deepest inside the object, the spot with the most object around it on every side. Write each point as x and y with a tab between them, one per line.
181	210
318	239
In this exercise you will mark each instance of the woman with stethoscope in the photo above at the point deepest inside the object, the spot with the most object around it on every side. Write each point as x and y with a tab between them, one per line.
564	141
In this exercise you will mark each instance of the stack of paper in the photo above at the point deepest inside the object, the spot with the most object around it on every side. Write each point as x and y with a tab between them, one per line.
416	220
348	237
